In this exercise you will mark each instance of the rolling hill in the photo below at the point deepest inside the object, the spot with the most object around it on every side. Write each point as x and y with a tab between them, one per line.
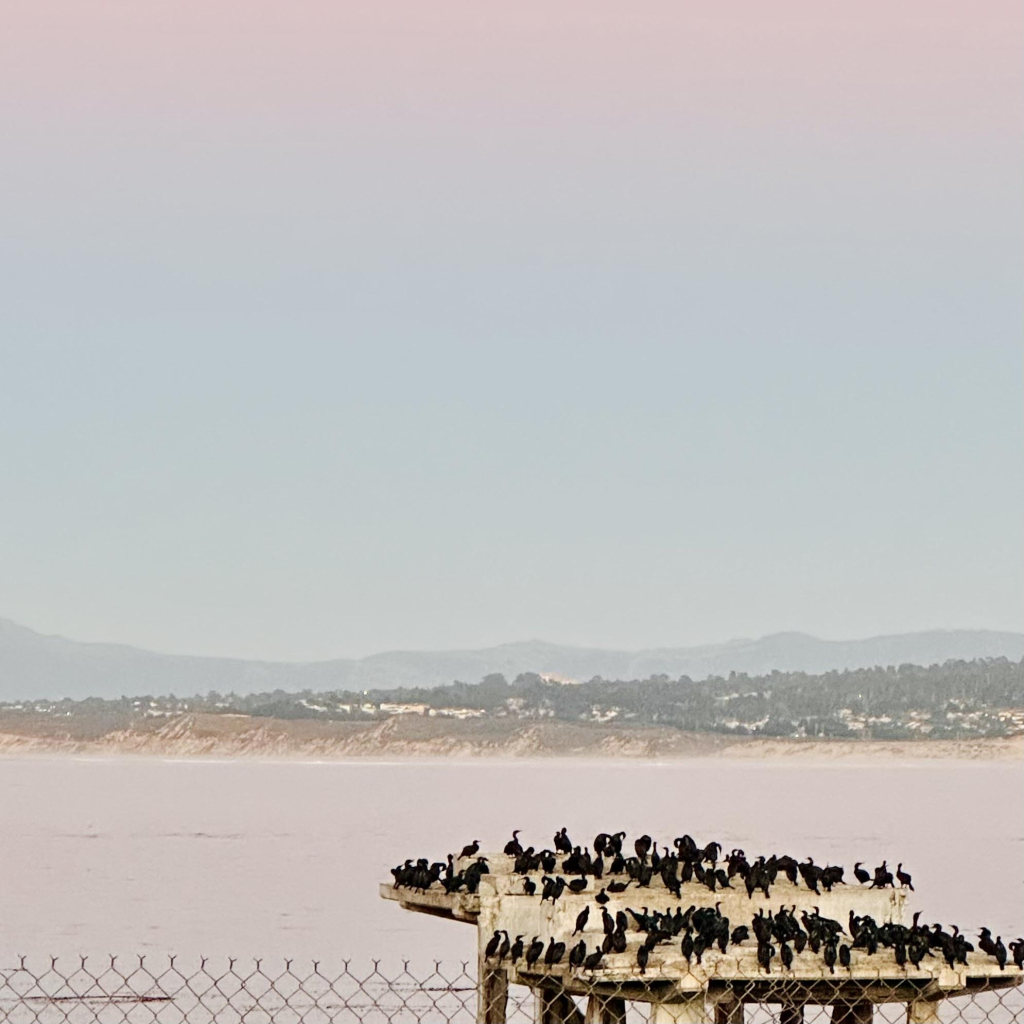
33	665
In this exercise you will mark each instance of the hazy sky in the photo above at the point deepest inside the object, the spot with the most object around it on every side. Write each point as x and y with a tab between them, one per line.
331	327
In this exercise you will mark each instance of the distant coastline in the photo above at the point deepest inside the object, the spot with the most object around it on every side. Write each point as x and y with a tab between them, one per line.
241	737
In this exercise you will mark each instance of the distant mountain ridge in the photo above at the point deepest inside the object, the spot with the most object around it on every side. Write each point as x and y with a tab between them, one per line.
33	665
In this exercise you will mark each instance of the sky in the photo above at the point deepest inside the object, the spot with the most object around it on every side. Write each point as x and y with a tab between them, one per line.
331	328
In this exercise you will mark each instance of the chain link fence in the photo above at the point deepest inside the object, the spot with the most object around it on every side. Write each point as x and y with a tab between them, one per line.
151	990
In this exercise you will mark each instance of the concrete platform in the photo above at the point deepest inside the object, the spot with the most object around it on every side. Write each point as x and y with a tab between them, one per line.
717	988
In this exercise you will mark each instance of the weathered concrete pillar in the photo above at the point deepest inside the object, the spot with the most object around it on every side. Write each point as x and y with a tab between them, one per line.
555	1006
492	994
729	1011
923	1011
605	1010
862	1012
691	1010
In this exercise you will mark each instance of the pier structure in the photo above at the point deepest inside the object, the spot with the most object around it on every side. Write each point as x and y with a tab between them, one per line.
721	985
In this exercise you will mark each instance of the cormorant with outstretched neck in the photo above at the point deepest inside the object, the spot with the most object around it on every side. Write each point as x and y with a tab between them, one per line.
513	847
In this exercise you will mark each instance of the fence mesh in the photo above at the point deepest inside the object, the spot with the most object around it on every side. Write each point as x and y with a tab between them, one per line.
149	990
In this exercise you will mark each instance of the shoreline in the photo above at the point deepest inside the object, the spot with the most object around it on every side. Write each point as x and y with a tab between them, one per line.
273	741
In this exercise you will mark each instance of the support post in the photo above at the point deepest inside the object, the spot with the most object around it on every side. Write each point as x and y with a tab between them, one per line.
689	1010
862	1012
492	994
791	1014
555	1006
923	1011
729	1010
605	1010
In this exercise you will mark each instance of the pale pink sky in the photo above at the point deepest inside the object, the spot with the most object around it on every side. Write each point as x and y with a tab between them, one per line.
313	308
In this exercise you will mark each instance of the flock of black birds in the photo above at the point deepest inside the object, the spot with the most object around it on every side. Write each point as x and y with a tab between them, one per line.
606	867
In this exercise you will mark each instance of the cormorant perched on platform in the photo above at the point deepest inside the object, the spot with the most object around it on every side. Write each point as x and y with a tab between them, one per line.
554	952
581	920
786	955
517	949
492	946
562	842
1000	953
601	898
534	950
844	956
642	956
505	947
904	878
617	887
513	847
831	954
860	874
1017	949
578	954
593	960
577	885
883	877
810	872
553	888
471	850
529	886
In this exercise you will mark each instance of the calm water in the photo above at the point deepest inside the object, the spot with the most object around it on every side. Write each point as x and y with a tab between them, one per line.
283	859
